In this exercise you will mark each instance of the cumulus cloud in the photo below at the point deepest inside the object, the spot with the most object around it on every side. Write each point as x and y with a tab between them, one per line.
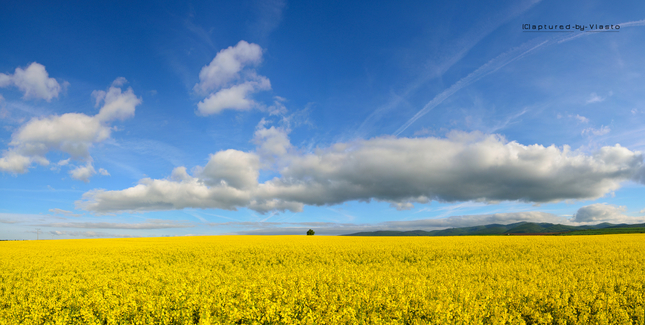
14	162
179	191
273	143
462	167
235	168
230	79
401	171
117	105
235	97
72	133
227	64
34	82
83	173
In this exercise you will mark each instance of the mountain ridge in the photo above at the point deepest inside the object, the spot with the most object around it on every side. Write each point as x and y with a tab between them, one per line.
518	228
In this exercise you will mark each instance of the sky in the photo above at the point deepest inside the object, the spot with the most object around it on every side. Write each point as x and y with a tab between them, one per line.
162	118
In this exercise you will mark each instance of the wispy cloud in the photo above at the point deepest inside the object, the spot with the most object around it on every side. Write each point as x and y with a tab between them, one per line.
64	212
150	224
600	131
11	218
269	16
594	98
7	220
582	119
86	234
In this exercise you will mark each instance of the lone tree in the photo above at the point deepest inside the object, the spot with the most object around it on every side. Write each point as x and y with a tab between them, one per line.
310	232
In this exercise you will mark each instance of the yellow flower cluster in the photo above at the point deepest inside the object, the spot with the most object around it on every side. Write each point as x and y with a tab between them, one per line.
325	280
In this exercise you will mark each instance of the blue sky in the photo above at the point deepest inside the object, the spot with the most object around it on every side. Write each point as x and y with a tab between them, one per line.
273	117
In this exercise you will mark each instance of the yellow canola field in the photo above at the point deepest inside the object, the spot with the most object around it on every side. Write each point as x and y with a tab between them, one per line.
325	280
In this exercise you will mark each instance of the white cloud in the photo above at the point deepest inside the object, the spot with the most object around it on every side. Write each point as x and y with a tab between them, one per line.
103	172
462	167
402	171
228	83
235	168
602	212
83	173
179	191
33	81
272	142
227	64
235	97
14	163
72	133
117	105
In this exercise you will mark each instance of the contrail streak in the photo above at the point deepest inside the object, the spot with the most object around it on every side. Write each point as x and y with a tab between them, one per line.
490	67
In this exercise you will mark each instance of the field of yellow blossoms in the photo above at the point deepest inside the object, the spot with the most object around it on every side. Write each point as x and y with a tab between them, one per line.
325	280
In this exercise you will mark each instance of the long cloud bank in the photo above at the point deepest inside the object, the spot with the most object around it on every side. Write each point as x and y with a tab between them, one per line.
591	214
402	171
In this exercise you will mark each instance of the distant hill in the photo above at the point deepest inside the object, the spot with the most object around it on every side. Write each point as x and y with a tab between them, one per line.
520	228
